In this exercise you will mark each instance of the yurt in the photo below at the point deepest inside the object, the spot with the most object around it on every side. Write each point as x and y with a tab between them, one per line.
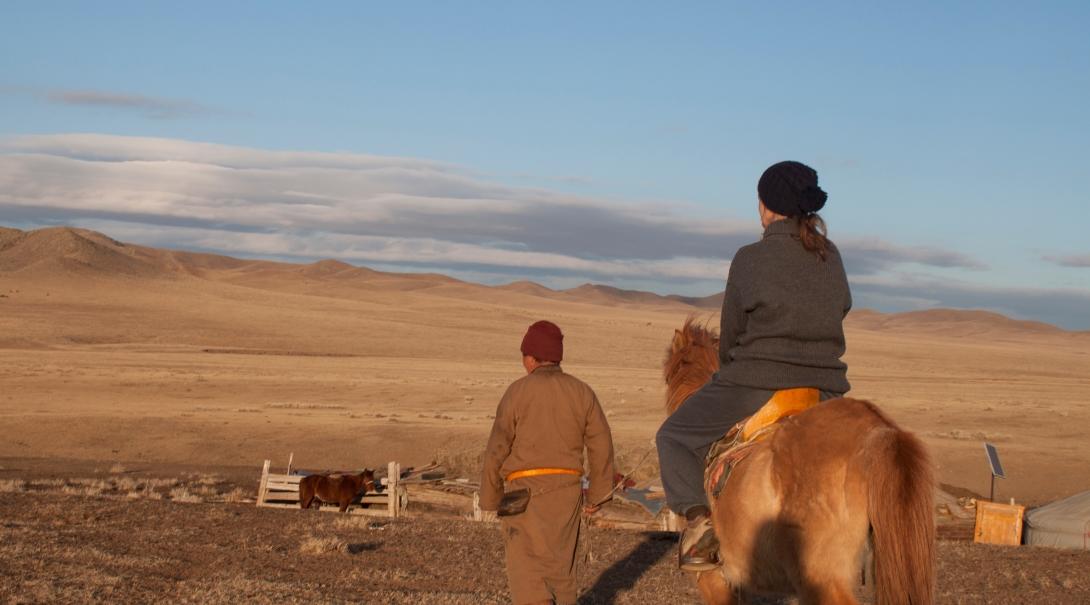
1061	524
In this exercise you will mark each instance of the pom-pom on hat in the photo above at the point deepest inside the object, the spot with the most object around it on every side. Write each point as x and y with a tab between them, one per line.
791	189
544	341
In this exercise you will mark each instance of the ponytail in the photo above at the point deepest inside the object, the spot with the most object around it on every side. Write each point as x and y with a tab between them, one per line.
812	234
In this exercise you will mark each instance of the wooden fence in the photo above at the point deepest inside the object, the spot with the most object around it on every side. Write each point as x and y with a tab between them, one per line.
282	491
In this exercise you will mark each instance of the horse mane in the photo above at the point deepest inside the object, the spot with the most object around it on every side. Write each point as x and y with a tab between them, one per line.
691	359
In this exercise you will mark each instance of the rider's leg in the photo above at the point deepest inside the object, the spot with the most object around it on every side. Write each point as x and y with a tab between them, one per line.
684	438
683	441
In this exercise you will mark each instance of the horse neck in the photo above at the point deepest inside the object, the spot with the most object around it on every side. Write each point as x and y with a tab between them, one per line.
682	385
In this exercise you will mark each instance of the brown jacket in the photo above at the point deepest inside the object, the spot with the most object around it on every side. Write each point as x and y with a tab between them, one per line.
544	421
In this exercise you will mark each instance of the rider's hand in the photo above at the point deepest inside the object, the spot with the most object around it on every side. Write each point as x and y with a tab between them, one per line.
590	509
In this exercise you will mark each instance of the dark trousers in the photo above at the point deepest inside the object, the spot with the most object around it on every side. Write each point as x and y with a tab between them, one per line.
684	439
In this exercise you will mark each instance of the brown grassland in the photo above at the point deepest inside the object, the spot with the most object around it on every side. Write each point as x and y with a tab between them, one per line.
155	364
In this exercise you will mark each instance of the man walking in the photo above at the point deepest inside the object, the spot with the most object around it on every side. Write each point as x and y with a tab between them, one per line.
543	423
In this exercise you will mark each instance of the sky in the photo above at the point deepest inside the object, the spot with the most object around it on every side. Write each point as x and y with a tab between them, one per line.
616	143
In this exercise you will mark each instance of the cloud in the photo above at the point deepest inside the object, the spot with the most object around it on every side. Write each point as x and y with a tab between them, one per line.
153	107
167	182
1079	261
175	182
422	252
567	179
868	256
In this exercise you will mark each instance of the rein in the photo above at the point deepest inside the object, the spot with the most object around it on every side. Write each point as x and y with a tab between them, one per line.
620	482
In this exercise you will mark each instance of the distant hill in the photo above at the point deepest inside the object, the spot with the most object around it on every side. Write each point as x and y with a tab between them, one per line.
530	288
712	301
609	295
612	296
66	253
65	250
948	322
6	234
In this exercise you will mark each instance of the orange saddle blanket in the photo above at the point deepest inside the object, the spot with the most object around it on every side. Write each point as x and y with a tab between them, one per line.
738	442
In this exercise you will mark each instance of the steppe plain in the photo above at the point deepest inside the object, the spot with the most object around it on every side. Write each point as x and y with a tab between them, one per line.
117	359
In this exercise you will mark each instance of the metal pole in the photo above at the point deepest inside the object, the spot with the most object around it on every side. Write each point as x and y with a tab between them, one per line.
993	488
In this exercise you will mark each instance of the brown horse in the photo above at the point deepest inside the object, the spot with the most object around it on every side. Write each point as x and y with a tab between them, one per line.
802	512
342	489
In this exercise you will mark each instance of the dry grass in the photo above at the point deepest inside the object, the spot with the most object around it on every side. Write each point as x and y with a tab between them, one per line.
192	488
962	435
314	545
350	522
208	479
182	494
85	487
8	486
460	461
305	406
238	495
356	522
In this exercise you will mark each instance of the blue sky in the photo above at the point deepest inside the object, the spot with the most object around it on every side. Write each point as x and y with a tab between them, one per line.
616	143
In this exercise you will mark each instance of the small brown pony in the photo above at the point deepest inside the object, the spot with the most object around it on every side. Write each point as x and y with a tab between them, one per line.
342	489
803	511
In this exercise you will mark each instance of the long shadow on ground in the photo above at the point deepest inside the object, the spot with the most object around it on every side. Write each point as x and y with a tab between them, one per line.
624	574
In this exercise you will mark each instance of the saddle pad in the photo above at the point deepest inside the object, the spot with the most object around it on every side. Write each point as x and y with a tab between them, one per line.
738	442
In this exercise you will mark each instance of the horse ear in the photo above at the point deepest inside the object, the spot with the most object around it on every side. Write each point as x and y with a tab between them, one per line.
678	342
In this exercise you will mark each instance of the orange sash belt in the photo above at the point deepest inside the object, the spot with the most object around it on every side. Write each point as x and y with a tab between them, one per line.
534	472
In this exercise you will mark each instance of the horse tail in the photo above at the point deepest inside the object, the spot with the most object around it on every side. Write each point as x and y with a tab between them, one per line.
901	511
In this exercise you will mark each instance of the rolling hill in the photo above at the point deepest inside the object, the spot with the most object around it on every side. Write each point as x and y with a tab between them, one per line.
67	259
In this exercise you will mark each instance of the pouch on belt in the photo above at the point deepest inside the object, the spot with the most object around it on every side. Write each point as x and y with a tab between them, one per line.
514	503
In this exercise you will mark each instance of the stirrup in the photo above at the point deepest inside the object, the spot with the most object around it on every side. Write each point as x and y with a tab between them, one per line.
699	565
695	558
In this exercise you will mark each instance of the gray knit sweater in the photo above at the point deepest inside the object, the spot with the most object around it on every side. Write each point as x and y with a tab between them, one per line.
782	323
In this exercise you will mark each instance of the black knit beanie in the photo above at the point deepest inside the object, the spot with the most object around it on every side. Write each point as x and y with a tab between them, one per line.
791	189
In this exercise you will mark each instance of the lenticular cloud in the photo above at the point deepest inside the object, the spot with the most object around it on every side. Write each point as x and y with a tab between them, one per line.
371	209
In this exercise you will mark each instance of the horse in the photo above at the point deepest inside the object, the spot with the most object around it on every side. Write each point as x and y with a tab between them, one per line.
833	487
342	489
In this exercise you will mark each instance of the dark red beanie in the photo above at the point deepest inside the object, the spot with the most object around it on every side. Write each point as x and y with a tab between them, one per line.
544	341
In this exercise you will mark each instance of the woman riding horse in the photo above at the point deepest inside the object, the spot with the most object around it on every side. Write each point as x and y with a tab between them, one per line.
781	328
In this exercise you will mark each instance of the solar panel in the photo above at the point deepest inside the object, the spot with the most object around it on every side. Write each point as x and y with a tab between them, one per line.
993	460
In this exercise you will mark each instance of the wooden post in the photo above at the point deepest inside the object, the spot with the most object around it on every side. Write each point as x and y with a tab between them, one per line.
482	515
393	475
264	483
671	521
291	457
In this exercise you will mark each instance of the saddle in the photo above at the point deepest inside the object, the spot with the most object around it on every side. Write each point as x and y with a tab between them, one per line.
739	441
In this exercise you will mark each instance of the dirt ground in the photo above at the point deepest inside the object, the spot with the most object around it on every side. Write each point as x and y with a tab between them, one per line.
77	548
140	402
